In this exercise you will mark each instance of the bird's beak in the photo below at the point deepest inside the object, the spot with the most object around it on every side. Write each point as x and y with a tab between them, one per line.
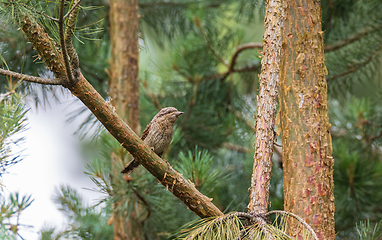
178	113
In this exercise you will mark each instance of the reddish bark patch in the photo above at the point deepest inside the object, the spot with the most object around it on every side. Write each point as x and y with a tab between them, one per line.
313	200
309	160
321	189
305	193
311	179
308	211
317	219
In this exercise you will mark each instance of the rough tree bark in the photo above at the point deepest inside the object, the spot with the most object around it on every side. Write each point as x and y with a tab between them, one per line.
307	148
124	94
123	77
266	107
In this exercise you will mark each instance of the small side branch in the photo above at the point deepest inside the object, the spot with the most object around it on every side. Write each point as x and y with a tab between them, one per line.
41	13
200	27
28	78
372	138
296	217
231	67
69	35
351	39
72	9
355	67
62	42
239	49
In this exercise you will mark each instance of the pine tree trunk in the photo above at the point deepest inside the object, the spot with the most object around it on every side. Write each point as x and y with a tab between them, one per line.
124	93
123	79
306	140
266	107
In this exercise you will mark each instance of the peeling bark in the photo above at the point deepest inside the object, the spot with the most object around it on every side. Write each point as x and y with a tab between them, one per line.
306	140
266	107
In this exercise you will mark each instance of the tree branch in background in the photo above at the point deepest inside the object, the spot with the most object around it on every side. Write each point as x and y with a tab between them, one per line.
239	49
231	67
28	78
355	67
362	33
200	27
152	96
372	138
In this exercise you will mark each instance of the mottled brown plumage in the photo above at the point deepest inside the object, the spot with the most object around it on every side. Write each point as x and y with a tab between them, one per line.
157	134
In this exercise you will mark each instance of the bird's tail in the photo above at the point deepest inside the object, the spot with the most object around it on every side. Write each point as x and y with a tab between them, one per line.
130	167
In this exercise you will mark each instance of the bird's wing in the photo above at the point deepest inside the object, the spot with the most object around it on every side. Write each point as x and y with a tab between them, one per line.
146	132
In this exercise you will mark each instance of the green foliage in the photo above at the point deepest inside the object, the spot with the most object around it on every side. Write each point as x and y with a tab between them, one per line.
197	167
367	232
355	26
84	222
12	121
10	211
232	226
216	228
357	170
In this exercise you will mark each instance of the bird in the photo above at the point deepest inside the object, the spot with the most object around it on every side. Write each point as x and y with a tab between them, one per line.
157	134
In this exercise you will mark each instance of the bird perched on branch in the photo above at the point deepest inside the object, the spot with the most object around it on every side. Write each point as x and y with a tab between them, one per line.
157	134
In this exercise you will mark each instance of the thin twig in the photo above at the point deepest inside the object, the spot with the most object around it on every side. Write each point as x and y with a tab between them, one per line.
372	138
72	9
231	68
69	35
191	104
200	27
28	78
362	33
41	13
47	16
3	96
355	67
152	96
239	49
143	200
234	147
295	216
62	42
